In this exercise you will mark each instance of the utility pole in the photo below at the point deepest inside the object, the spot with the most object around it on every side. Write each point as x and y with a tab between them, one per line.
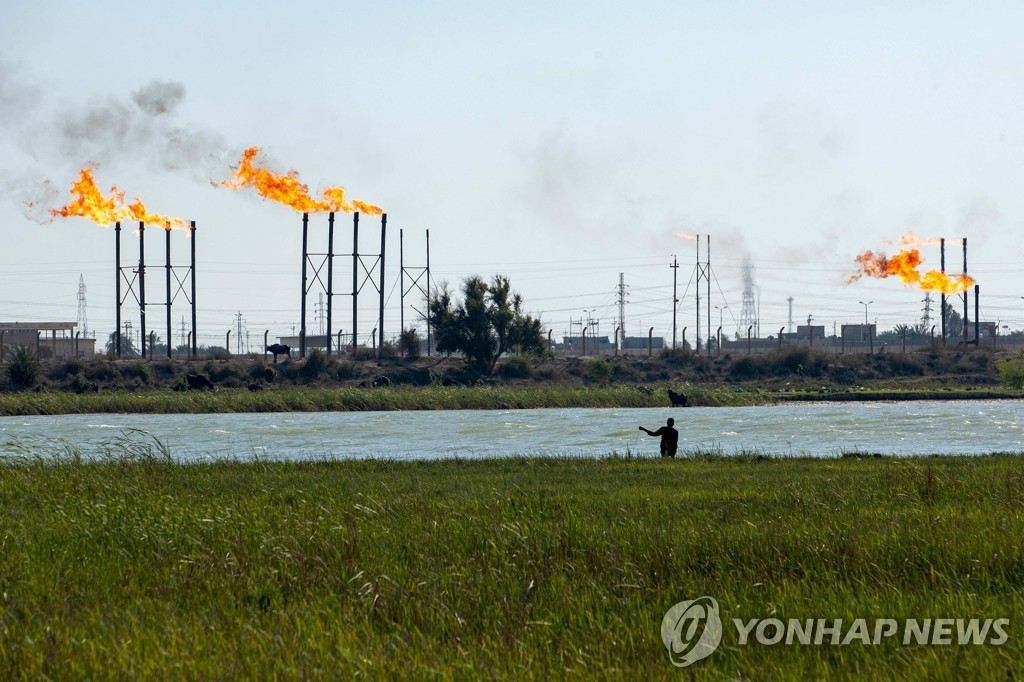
184	337
622	308
927	317
675	298
238	336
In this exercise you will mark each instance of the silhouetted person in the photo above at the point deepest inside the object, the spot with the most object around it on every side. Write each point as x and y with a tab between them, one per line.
669	438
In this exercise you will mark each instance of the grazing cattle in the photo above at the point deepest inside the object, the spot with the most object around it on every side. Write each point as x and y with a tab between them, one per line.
678	399
255	385
198	382
278	349
381	381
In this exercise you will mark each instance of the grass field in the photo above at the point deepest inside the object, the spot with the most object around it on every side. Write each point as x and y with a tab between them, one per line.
521	568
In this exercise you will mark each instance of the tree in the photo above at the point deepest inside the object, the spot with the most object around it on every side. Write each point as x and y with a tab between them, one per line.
954	323
127	347
487	324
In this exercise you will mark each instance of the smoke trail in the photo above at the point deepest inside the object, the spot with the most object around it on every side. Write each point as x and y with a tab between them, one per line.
143	127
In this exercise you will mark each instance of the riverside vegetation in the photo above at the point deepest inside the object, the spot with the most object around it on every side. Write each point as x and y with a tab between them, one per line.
319	382
138	567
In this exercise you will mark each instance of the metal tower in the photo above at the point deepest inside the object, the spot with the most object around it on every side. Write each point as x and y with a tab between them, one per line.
622	307
748	313
83	321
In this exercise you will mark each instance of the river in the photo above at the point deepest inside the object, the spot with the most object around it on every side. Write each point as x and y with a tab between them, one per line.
816	429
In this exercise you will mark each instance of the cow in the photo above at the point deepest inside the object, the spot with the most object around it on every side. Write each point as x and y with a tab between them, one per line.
677	399
255	386
198	382
278	349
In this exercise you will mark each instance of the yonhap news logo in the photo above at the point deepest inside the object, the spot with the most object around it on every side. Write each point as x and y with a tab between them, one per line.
692	630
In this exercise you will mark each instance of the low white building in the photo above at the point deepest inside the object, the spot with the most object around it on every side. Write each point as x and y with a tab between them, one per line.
47	340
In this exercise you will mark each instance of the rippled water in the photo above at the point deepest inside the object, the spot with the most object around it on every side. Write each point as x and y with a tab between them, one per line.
822	430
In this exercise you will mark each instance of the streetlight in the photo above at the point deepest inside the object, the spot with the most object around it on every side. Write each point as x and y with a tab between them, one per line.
720	310
866	310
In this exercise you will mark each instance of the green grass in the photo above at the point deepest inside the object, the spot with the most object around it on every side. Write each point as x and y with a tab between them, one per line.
516	569
317	399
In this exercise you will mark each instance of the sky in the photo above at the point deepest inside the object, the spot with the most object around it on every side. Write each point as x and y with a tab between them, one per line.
560	144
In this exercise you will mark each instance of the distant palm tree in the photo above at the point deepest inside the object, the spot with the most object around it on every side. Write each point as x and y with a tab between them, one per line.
127	347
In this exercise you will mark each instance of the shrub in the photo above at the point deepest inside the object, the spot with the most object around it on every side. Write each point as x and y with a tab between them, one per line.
1011	372
139	370
67	369
409	343
102	371
599	370
24	368
346	370
316	364
516	367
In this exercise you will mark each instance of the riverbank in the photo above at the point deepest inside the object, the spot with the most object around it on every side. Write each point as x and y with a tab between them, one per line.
346	399
514	569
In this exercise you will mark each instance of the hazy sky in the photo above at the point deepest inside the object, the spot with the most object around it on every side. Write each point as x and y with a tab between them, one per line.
557	143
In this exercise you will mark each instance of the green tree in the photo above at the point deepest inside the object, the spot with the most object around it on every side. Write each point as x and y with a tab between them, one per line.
127	347
954	323
487	324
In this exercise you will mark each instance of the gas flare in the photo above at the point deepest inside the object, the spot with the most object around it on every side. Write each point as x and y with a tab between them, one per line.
88	202
906	265
911	239
683	235
287	189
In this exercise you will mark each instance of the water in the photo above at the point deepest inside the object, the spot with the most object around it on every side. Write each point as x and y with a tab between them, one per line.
817	430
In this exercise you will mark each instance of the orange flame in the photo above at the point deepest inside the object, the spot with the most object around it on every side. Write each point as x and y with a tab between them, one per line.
911	239
683	235
88	202
905	265
287	189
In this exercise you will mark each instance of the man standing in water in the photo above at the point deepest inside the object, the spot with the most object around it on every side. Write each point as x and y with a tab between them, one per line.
669	438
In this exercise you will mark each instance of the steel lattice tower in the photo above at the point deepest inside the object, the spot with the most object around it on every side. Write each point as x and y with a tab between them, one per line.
748	313
83	321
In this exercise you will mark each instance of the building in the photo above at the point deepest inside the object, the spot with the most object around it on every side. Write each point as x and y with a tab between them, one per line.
47	340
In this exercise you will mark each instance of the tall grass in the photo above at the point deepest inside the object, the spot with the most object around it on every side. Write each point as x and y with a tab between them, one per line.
316	399
512	569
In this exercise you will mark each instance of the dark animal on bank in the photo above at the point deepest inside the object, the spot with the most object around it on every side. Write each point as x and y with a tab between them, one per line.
678	399
255	385
198	382
376	382
278	349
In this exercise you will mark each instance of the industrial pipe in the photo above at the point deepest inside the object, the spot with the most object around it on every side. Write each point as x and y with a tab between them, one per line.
266	334
305	257
167	273
617	340
650	342
188	347
227	342
583	352
117	287
77	334
719	335
330	278
781	329
749	329
195	335
142	287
